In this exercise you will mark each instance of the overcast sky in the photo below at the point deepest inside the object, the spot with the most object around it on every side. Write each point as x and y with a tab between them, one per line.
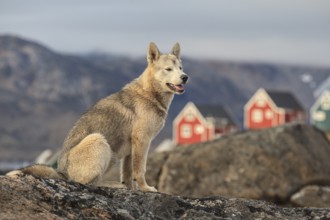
286	31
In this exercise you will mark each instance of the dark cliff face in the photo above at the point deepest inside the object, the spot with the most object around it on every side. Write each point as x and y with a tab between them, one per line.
43	92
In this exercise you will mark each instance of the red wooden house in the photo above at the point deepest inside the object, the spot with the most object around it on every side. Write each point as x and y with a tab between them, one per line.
199	123
272	108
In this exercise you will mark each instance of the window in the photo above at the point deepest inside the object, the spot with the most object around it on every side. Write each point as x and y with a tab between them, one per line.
257	116
269	114
189	116
199	129
319	116
186	131
325	104
261	100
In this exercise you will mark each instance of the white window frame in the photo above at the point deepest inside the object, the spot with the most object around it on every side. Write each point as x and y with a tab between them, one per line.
189	116
269	114
199	129
186	131
257	116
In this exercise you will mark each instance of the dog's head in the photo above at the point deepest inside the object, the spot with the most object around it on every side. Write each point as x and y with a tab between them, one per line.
168	71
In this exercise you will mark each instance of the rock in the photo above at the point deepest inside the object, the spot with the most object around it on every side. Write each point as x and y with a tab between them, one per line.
27	197
269	164
312	196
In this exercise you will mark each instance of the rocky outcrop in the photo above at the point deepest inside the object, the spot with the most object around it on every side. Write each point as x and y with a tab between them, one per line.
271	164
312	196
288	165
32	198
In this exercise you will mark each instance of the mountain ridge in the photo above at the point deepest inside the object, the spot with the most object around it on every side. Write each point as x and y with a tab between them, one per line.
43	92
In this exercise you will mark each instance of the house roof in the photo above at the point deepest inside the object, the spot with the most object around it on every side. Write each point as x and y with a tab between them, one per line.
325	85
324	97
216	112
284	100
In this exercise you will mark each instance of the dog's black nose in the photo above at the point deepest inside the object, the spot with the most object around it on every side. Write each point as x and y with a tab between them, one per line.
184	78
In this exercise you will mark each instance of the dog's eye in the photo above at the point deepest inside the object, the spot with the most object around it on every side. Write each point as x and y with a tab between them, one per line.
180	67
168	69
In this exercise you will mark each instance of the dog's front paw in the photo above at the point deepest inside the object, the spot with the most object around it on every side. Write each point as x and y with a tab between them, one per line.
148	189
112	184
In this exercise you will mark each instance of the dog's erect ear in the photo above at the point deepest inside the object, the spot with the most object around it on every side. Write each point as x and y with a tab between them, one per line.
176	50
153	53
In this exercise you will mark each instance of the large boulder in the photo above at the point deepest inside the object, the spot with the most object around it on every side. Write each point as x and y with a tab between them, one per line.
312	196
33	198
270	164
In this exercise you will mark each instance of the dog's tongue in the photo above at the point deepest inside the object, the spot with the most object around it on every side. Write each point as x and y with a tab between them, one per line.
179	87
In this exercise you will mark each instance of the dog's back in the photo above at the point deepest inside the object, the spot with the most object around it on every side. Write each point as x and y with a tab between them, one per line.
112	117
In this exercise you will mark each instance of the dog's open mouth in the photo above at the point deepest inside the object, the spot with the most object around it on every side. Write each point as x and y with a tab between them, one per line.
176	88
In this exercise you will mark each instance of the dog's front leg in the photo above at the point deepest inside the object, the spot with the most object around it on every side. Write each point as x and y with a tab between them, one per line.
126	172
139	155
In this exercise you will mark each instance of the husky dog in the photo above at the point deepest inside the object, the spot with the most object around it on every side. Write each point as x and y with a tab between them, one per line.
120	126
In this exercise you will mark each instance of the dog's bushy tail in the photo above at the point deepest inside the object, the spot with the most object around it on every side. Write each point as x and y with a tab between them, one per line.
37	170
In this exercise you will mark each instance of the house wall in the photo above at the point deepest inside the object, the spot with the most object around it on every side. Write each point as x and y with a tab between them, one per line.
262	116
228	129
320	112
261	112
190	131
210	134
190	127
294	116
321	119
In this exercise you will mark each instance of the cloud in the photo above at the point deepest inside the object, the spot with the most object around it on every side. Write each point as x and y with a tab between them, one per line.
295	31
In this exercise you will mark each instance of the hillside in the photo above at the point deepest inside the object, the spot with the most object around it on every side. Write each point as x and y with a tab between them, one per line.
43	92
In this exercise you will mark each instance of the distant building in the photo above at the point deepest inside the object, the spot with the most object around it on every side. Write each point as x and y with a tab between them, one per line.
199	123
324	86
320	112
272	108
